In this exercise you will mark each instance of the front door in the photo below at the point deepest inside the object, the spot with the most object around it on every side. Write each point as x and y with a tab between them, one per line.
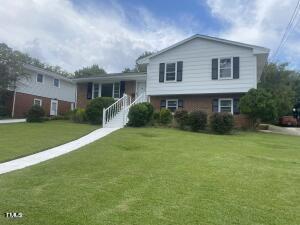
53	108
140	88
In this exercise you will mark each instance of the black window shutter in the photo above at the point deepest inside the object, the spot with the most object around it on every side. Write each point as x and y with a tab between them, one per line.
180	103
236	109
215	105
89	90
122	88
236	67
179	70
161	72
214	69
162	104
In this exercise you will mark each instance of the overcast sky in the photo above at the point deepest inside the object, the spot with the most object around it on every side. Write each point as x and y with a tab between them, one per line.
77	33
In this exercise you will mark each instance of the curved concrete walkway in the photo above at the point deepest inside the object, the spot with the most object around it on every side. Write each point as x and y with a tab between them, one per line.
54	152
12	121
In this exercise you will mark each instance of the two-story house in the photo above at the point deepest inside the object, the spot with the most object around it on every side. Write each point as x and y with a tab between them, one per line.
198	73
55	93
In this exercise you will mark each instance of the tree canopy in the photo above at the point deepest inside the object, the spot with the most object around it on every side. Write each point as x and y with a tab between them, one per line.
277	93
89	71
139	67
11	66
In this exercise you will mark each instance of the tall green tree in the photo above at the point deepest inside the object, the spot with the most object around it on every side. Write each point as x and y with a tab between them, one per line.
11	66
90	71
295	83
277	80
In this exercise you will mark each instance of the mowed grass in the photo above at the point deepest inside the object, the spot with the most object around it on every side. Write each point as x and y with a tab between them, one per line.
21	139
162	176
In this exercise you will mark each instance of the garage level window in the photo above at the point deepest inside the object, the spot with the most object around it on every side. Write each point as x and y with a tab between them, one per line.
40	78
225	105
56	82
225	68
171	72
172	104
37	101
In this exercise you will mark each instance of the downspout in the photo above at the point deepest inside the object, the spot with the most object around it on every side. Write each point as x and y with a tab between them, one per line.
13	106
75	95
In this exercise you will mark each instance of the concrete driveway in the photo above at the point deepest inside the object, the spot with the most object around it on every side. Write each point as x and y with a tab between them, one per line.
283	130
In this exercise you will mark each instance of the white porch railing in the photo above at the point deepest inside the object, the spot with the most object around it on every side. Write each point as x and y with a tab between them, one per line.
116	115
110	112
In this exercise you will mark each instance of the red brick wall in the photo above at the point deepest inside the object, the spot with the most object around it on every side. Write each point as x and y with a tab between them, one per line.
203	103
23	103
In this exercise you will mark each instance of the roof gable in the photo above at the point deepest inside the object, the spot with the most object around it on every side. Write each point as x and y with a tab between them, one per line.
255	49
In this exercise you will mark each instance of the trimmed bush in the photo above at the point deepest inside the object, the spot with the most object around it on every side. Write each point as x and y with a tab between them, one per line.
150	110
156	117
197	120
94	110
139	115
222	123
165	116
35	114
181	118
78	115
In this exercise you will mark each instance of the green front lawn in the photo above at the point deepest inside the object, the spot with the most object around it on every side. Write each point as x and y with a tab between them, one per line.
20	139
162	176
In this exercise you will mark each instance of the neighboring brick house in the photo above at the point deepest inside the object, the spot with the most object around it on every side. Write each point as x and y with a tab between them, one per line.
199	73
55	93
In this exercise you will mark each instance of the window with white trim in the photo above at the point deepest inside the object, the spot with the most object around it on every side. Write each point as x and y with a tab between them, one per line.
56	82
226	105
170	72
96	90
172	104
37	101
40	78
225	65
117	90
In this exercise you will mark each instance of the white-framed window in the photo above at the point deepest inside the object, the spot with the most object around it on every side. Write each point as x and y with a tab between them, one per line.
225	68
37	101
96	88
106	90
116	90
40	78
170	73
172	104
225	105
72	106
56	82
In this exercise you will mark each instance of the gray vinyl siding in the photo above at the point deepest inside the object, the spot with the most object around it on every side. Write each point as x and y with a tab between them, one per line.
29	85
197	58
